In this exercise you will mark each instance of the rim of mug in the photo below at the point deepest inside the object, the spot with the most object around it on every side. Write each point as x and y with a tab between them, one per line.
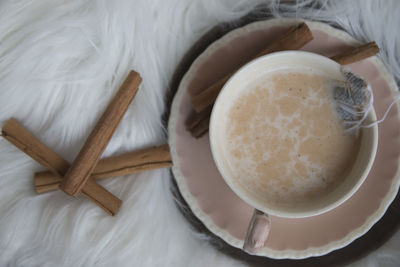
245	196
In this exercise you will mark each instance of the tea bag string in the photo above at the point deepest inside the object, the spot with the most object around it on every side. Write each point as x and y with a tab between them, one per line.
396	99
354	100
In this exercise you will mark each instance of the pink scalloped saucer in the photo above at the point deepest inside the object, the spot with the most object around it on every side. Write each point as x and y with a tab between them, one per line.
224	213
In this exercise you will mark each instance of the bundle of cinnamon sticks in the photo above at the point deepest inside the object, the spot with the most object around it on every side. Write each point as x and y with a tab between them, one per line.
294	38
87	168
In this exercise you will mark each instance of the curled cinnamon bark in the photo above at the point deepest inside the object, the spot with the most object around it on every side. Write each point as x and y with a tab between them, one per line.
136	161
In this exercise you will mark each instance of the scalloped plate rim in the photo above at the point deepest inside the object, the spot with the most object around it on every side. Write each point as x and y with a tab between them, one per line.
192	202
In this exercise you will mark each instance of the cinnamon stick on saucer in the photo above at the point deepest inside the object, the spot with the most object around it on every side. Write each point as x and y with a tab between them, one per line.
355	54
197	124
28	143
96	143
136	161
293	39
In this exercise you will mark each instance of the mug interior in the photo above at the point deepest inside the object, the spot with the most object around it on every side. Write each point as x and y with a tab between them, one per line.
232	89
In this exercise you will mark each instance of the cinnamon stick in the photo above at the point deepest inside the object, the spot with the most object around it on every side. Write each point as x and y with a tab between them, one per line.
355	54
293	39
87	159
25	141
198	123
136	161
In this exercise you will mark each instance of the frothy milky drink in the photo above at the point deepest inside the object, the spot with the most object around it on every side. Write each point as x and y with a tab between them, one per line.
278	141
284	140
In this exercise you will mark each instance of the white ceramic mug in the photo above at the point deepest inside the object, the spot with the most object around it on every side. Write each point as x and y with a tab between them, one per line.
260	224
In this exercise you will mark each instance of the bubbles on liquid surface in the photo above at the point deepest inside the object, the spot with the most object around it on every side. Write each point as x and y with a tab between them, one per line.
284	141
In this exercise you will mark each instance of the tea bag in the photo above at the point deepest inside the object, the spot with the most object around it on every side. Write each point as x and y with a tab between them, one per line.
353	100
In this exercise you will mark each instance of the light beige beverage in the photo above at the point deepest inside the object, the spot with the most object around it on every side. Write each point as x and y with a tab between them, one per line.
277	141
284	141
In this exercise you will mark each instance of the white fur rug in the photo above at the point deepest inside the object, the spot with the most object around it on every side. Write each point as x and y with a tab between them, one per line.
60	63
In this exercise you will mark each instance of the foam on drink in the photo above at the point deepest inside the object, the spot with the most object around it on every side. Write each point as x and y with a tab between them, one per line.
285	142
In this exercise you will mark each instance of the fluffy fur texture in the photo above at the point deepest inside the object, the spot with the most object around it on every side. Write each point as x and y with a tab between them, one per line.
61	62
